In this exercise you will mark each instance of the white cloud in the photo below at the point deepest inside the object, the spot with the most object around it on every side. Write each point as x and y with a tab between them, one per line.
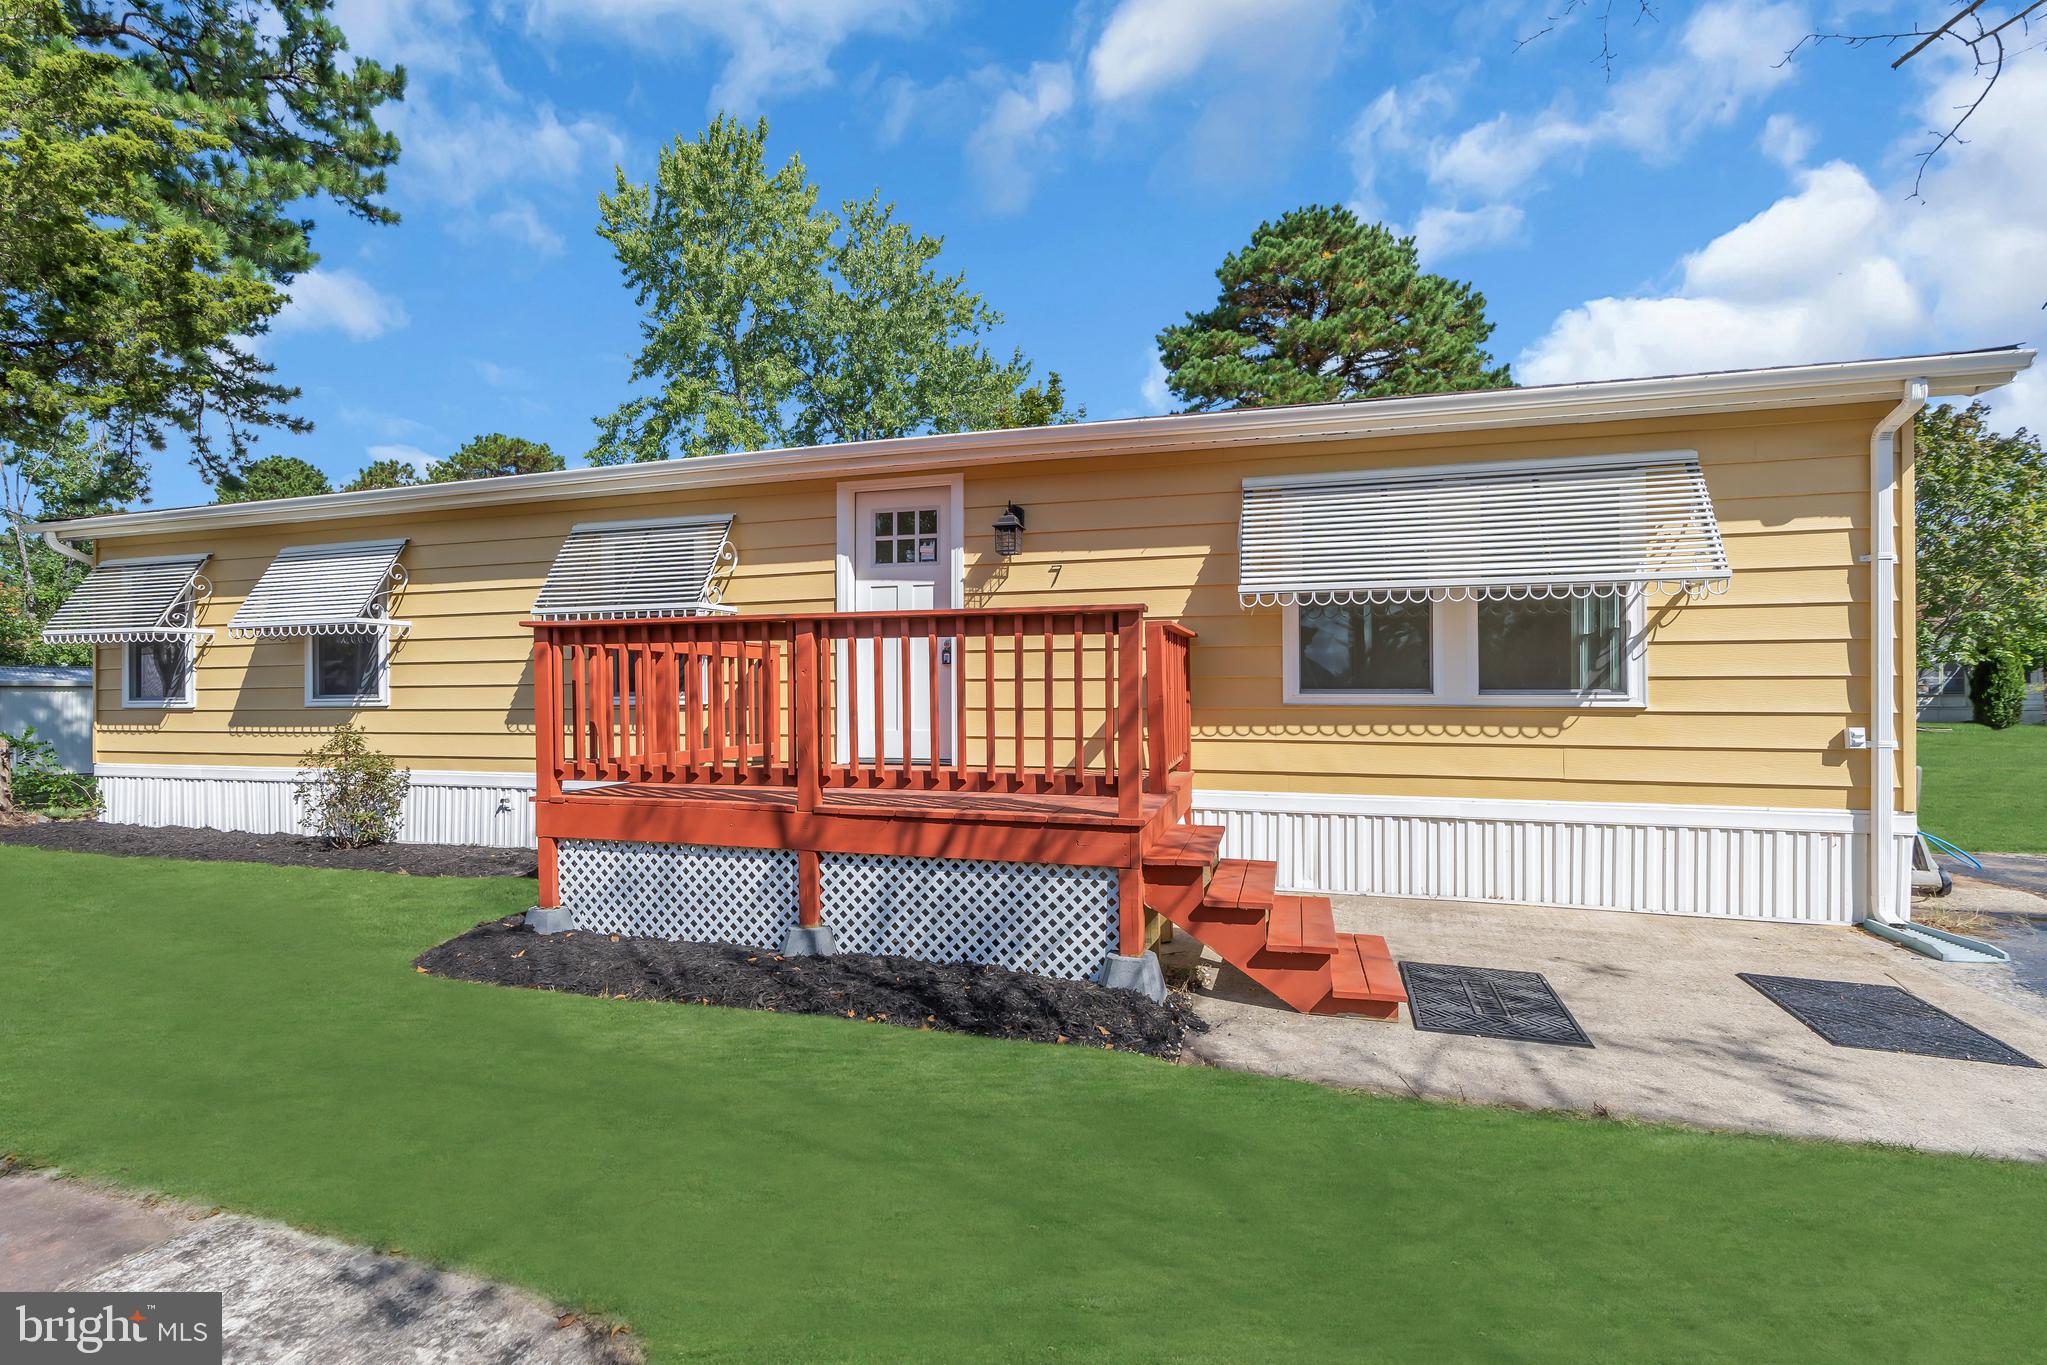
1393	126
520	220
437	36
412	455
1443	232
1841	268
498	376
1785	141
459	157
340	301
1730	55
1149	45
773	47
1011	144
1157	397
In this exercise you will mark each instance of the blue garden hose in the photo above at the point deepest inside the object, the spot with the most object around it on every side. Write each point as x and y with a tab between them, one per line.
1945	847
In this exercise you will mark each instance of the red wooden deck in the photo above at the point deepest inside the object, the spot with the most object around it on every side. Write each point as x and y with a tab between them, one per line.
1048	736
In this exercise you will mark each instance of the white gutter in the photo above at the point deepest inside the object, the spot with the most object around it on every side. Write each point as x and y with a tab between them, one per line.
77	556
1883	678
1861	381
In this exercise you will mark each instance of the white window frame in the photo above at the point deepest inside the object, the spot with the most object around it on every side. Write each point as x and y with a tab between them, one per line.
381	641
188	697
1453	669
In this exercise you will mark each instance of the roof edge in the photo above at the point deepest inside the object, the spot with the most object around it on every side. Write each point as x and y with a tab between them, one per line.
1953	374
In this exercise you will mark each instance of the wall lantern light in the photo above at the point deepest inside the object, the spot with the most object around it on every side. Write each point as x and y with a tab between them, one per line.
1009	529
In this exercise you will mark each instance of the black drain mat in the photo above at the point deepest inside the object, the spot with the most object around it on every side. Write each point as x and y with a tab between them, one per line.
1881	1018
1485	1002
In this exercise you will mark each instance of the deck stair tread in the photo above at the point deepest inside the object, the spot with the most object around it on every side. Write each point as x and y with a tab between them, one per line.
1363	969
1241	886
1289	944
1186	846
1301	924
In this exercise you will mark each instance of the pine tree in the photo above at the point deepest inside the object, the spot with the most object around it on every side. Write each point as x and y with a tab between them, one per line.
1322	306
492	455
273	476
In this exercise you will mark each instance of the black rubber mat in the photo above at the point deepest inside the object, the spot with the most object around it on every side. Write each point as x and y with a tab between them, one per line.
1486	1002
1882	1019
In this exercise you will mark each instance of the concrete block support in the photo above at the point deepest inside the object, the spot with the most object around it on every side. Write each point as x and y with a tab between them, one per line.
809	940
1140	973
549	919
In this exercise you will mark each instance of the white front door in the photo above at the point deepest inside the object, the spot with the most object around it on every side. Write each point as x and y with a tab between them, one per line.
902	561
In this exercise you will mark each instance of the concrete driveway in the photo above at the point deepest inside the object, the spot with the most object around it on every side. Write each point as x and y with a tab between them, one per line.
1679	1038
286	1295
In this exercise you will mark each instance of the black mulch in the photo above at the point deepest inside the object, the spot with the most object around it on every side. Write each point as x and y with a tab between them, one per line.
960	997
285	850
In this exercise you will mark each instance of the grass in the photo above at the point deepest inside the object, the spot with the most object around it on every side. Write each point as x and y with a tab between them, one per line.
1985	789
740	1185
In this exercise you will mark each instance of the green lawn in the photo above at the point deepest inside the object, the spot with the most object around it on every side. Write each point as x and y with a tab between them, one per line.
746	1185
1985	789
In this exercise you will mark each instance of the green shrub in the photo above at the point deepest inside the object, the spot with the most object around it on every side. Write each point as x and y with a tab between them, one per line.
41	783
2000	691
348	793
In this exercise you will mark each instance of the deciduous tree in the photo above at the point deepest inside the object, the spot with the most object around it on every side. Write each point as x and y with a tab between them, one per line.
1982	538
773	322
1321	306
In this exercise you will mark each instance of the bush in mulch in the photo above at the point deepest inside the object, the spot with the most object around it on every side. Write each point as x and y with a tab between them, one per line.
284	850
959	997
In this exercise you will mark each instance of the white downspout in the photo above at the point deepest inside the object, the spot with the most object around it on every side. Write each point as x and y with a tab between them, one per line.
1883	680
78	556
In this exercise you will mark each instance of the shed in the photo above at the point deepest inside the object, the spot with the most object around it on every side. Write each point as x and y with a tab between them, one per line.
57	702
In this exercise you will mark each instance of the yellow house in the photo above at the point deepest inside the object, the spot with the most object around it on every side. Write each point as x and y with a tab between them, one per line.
1634	645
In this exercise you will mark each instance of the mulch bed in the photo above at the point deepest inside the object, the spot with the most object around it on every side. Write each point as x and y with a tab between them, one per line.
284	850
960	997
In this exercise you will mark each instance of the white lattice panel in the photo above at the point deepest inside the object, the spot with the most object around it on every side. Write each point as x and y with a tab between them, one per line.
683	891
1030	917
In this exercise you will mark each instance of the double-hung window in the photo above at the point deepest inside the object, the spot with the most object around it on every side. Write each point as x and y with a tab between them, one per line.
150	608
337	598
1520	583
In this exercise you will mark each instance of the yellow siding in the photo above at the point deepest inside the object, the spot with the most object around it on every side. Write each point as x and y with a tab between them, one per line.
1748	692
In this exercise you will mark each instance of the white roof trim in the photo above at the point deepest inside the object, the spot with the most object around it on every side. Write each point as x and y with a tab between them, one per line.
1956	374
1604	526
126	601
637	569
342	589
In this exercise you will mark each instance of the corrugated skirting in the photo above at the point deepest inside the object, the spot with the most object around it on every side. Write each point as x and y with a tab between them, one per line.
1804	866
492	809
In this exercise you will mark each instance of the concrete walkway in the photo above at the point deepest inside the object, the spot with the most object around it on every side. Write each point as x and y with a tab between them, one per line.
287	1296
1678	1037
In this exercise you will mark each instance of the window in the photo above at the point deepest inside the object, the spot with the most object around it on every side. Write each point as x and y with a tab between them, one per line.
157	674
1366	647
346	670
1573	644
1563	652
908	536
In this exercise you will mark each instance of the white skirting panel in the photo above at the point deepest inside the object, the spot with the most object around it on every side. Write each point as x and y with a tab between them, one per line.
1725	861
493	809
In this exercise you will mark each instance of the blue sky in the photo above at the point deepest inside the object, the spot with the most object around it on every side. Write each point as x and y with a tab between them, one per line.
1705	204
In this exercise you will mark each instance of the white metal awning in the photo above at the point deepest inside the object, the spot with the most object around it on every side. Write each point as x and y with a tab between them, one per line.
324	590
1603	526
638	569
127	600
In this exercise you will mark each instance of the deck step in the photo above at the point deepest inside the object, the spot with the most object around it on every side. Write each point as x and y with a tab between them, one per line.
1240	887
1301	924
1187	846
1363	971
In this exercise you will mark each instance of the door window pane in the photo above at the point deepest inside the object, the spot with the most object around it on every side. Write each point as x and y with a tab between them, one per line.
156	671
1570	645
1366	647
344	667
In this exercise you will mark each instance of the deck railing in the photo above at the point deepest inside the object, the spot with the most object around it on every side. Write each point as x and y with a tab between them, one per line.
1065	701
